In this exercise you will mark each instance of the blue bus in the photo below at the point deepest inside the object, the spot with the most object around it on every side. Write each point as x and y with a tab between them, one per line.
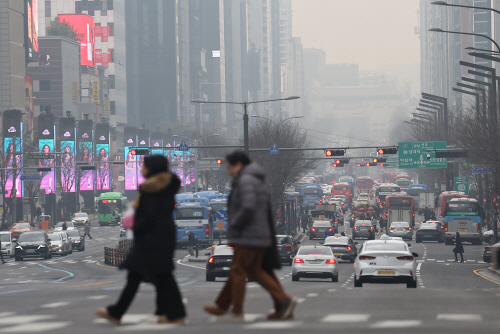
414	191
311	195
463	215
194	217
219	214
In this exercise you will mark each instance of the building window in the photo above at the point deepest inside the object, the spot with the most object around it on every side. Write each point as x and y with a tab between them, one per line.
44	85
44	109
47	8
111	79
112	108
111	29
110	4
90	9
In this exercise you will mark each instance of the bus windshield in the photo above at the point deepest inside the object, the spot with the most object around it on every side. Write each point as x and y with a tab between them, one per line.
341	187
399	201
108	206
189	213
462	209
403	183
311	191
415	191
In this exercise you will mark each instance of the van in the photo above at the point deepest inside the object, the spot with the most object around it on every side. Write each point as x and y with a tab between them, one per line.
8	247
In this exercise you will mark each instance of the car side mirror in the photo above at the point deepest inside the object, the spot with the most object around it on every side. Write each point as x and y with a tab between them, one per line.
414	254
207	254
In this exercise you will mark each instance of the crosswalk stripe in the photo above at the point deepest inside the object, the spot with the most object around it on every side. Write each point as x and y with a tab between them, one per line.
346	318
459	317
146	327
274	325
396	324
16	319
38	327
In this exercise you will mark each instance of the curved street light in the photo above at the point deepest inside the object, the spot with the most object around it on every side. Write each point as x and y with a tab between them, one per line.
466	33
444	3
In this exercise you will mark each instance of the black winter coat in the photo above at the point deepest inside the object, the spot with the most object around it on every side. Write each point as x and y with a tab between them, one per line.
154	228
459	247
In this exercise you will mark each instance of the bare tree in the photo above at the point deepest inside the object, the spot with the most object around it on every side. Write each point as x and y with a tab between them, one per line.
216	179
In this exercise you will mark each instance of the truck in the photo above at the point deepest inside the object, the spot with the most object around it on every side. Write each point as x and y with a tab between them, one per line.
426	200
325	212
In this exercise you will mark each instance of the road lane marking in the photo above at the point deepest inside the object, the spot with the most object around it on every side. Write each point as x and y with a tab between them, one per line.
15	291
98	297
459	317
275	325
477	273
91	284
396	324
16	319
419	266
188	265
70	274
141	328
54	305
440	261
105	265
248	317
346	318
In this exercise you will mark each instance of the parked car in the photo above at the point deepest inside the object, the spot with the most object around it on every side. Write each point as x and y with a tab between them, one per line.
287	248
19	228
8	246
77	240
33	244
488	236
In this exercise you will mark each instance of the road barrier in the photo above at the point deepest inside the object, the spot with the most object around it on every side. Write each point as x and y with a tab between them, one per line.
116	256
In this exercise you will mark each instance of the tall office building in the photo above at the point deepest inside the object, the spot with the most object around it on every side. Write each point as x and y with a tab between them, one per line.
110	48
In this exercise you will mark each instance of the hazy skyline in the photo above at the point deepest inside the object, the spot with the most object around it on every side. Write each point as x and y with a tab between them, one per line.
371	33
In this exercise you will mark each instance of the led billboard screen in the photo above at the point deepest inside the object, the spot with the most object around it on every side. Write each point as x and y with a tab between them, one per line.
84	27
46	135
142	141
130	141
12	143
67	146
102	156
85	153
31	29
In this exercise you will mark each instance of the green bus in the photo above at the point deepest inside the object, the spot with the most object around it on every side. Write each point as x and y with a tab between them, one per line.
107	203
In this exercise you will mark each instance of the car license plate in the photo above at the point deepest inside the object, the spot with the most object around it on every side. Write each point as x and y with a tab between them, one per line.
337	254
30	251
387	272
462	230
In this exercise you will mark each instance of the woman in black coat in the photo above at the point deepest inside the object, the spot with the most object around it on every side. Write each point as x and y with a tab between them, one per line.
151	258
459	248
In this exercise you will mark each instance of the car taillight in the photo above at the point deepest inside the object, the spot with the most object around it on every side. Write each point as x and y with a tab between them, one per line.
366	257
331	261
211	260
446	227
371	227
478	228
379	200
414	214
313	229
207	230
349	247
288	247
355	227
297	260
408	228
405	258
331	229
391	228
341	214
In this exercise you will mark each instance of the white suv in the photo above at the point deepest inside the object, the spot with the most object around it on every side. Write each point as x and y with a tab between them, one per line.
8	247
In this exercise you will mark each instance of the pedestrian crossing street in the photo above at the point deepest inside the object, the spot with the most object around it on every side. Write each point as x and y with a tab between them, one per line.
13	323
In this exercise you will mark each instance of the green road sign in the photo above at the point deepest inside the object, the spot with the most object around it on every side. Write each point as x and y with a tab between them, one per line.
462	184
414	154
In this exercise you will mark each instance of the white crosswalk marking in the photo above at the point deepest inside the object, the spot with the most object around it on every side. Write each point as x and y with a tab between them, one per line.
54	305
396	324
346	318
11	320
274	325
98	297
459	317
140	328
38	327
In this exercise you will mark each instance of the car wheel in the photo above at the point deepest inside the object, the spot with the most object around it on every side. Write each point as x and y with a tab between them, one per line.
18	258
335	278
411	285
295	278
210	278
358	283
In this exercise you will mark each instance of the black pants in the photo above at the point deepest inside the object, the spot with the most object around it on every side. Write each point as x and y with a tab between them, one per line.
87	233
1	255
168	296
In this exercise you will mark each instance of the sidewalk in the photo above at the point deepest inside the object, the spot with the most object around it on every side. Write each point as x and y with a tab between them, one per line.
494	271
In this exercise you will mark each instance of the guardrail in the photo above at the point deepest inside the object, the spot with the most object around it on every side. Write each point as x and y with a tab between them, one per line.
116	256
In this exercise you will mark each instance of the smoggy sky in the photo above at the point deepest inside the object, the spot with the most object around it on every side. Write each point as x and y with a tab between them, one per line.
371	33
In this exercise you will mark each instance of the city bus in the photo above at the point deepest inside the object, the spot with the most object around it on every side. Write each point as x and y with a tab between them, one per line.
311	195
400	208
463	215
384	190
342	189
194	217
350	180
107	204
403	181
444	198
414	191
364	184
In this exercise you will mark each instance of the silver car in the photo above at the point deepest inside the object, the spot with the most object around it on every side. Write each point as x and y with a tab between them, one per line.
59	246
400	229
8	246
361	228
315	261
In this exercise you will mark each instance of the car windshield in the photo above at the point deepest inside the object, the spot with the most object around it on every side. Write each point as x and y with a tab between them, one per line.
23	225
54	236
400	225
281	240
427	226
5	237
80	215
385	246
322	224
73	233
363	223
31	237
223	250
315	251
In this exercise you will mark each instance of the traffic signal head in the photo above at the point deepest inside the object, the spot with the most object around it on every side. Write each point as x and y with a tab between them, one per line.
391	150
338	164
139	151
375	160
370	164
219	161
381	160
334	153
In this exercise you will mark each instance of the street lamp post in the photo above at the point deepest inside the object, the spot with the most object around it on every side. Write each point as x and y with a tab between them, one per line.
245	114
466	33
444	3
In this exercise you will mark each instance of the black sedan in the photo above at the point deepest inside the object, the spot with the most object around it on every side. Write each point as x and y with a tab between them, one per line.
319	229
287	248
429	232
219	263
342	247
33	244
77	240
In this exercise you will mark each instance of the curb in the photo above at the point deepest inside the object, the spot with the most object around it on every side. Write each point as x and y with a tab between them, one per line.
197	259
300	237
494	271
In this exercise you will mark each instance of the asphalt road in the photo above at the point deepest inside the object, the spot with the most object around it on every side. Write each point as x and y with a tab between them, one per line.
61	294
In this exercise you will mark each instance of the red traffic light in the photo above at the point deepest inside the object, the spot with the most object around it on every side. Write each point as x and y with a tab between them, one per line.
219	161
328	153
375	160
367	164
133	152
391	150
380	151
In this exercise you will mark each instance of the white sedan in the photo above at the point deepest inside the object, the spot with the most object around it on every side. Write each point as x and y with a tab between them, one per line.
386	260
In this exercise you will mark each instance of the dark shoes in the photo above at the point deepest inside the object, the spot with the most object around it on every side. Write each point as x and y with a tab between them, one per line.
162	319
288	306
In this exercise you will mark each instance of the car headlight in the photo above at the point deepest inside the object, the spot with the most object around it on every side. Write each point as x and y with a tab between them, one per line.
76	241
19	247
60	245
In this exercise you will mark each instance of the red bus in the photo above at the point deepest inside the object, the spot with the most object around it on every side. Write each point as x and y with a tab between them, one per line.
364	183
444	198
342	189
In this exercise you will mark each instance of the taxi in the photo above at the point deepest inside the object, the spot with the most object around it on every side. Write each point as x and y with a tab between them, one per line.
386	260
18	228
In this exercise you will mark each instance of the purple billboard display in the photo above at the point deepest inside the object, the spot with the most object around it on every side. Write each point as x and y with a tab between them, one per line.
101	138
143	141
12	143
67	145
85	154
46	139
130	141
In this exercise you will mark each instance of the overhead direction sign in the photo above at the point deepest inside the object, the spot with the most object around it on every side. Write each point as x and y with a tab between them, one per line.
274	150
183	147
414	155
482	170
